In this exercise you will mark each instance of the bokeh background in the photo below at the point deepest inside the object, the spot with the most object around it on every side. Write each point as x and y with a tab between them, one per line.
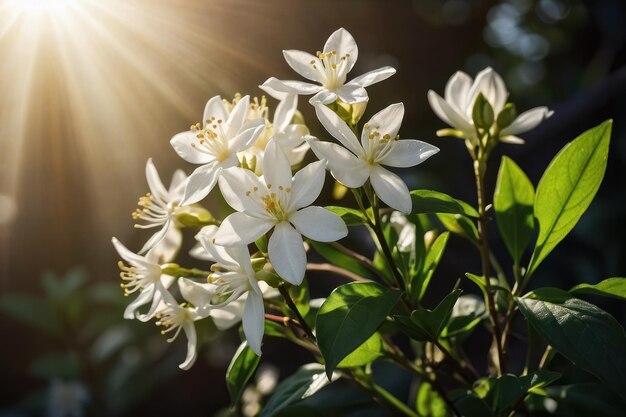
90	89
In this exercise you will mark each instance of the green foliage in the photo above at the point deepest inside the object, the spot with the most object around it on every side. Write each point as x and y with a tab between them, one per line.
428	201
240	370
338	258
349	316
586	335
419	282
506	116
368	352
430	323
579	400
513	203
429	403
350	216
460	225
482	112
610	287
567	188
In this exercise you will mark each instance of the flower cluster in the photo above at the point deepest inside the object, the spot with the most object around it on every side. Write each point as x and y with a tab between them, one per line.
257	164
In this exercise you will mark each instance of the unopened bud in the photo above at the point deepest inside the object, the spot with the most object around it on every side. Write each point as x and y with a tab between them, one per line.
482	113
506	115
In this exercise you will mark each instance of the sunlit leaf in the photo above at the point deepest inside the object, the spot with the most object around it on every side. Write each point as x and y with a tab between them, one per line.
610	287
427	201
240	370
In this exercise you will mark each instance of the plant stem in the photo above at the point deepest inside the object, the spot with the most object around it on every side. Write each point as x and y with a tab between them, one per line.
461	368
325	267
363	260
305	326
382	396
479	173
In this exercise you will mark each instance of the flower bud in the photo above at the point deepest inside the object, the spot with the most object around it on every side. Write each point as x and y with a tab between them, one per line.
506	115
270	278
482	113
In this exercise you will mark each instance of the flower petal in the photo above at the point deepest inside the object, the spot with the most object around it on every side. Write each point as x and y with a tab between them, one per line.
177	185
241	229
387	121
514	140
156	238
307	185
493	88
457	91
183	143
200	183
342	41
145	296
283	115
214	108
446	113
323	97
319	224
391	189
291	86
352	93
192	339
286	252
229	315
234	183
212	251
154	182
246	138
408	152
302	63
166	250
339	129
237	116
196	293
253	321
131	257
344	166
373	76
276	167
527	121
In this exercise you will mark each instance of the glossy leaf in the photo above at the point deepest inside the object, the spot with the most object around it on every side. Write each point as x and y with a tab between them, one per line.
368	352
349	316
513	203
350	216
432	322
420	281
567	188
610	287
240	370
460	225
586	335
427	201
429	403
335	257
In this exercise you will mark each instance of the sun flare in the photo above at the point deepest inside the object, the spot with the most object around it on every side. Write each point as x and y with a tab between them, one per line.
39	6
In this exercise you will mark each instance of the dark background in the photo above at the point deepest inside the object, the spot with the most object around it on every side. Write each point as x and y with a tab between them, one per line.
88	96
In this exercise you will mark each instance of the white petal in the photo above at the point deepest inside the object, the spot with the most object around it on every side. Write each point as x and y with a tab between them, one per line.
278	95
196	293
131	257
319	224
493	88
238	116
409	152
154	182
352	93
276	167
158	294
515	140
166	250
214	252
192	339
156	238
302	63
234	184
527	121
291	86
373	77
240	229
286	252
229	315
391	189
446	113
200	183
177	185
342	41
457	91
323	97
388	120
246	138
307	185
253	321
284	112
344	166
145	296
214	108
182	144
339	129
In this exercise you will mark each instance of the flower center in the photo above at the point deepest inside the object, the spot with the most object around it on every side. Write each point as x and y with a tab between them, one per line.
380	145
212	139
134	278
171	318
153	210
333	68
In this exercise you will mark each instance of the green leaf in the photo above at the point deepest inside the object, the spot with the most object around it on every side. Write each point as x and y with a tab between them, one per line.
240	370
419	282
432	322
350	216
31	311
349	316
335	257
460	225
469	404
305	382
567	188
427	201
513	203
586	399
56	365
429	403
368	352
586	335
610	287
261	243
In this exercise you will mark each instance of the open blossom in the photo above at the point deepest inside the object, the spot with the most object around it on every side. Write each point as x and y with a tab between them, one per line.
174	317
380	145
144	275
214	144
460	95
329	70
282	203
232	283
160	206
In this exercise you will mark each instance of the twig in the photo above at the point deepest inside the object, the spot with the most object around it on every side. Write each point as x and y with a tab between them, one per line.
326	267
305	326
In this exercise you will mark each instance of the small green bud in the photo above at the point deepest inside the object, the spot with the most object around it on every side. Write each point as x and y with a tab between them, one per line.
196	216
482	113
507	115
270	278
261	244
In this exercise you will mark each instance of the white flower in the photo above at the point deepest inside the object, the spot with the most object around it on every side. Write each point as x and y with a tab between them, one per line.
278	201
175	317
215	144
406	232
160	206
232	286
143	275
461	93
329	69
380	145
